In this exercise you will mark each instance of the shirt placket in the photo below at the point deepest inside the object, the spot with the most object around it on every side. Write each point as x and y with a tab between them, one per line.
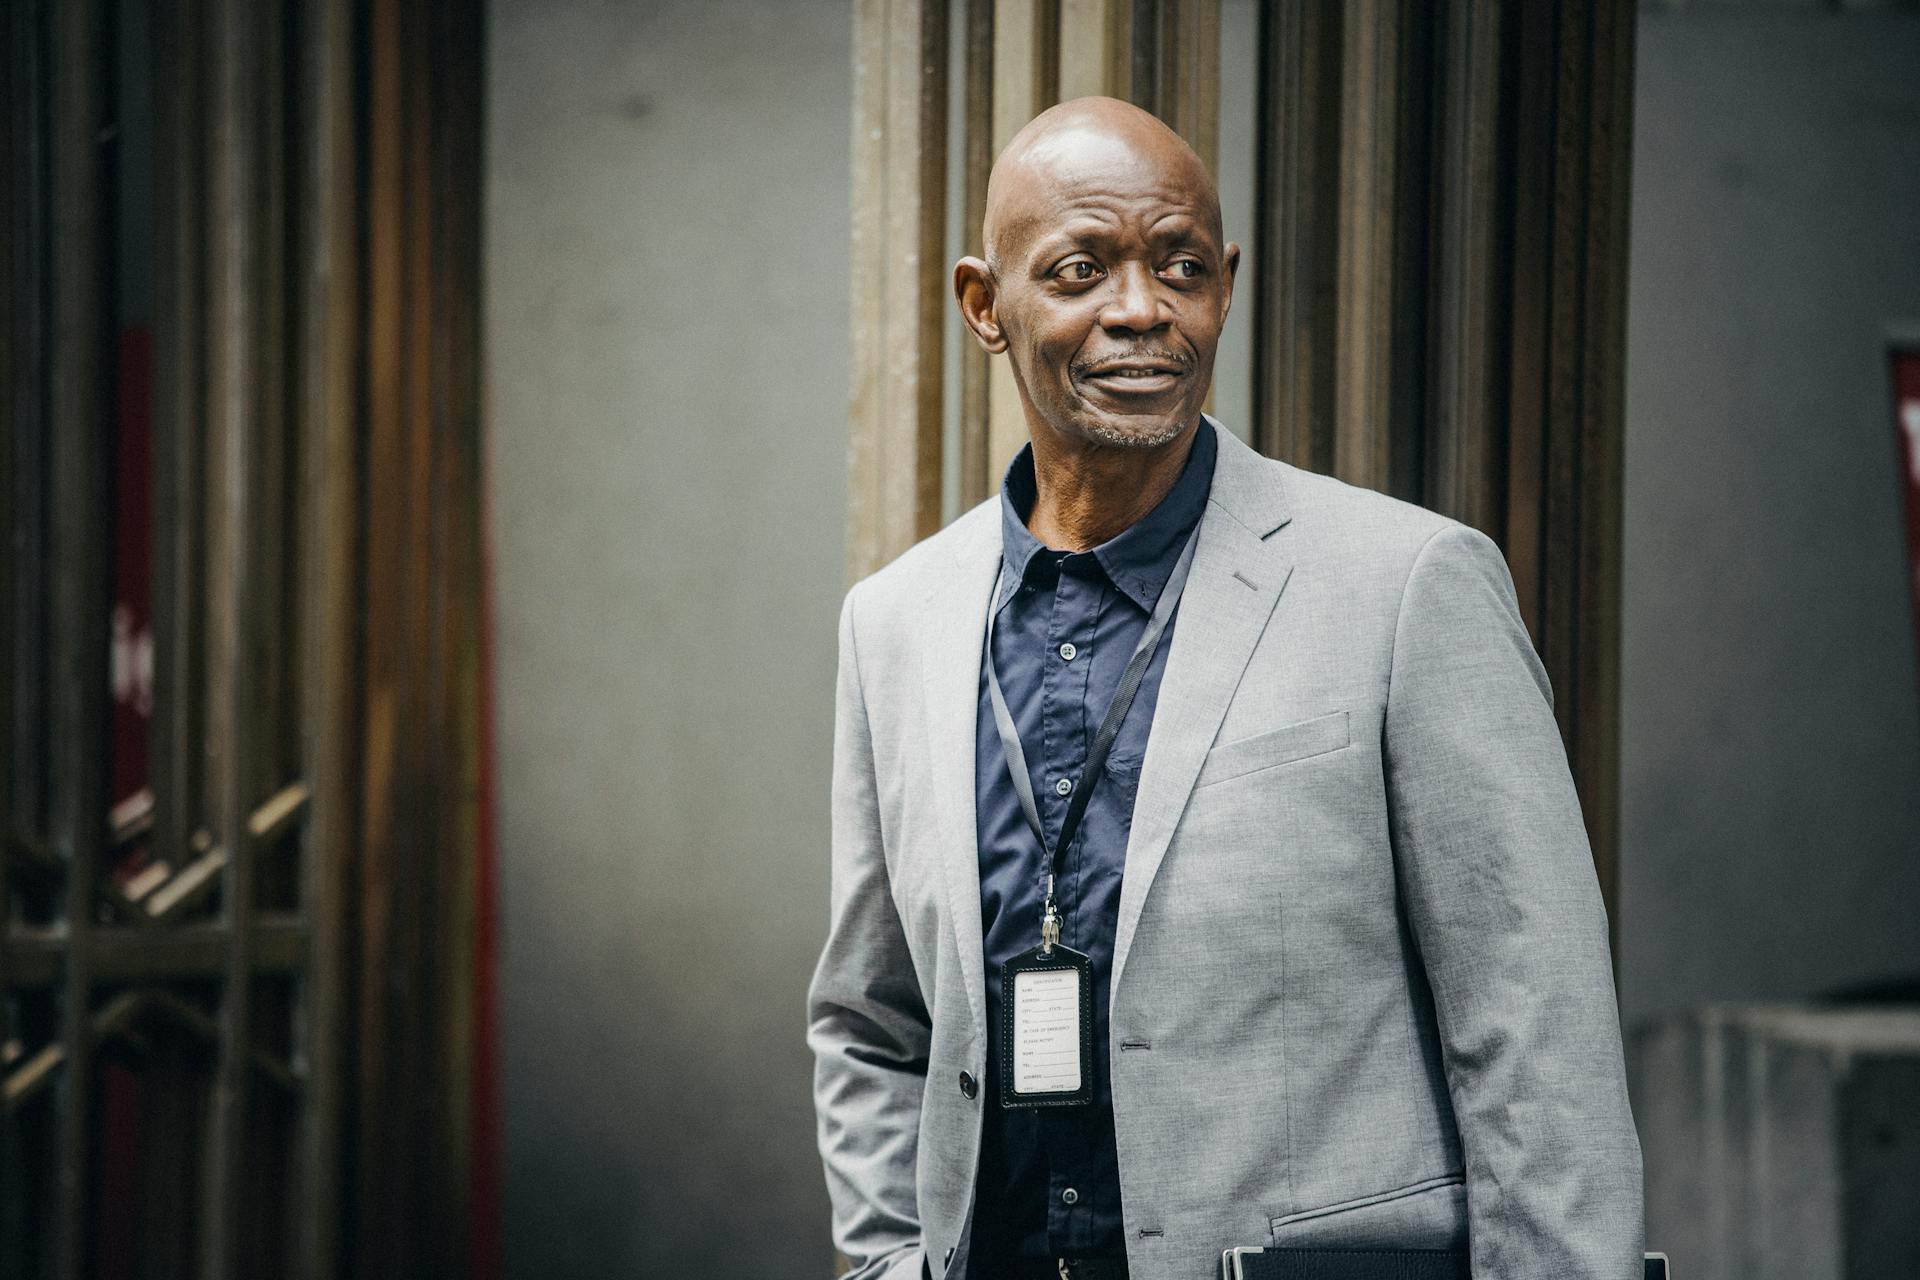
1067	725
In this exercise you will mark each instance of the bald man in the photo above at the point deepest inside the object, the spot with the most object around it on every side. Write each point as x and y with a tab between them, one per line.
1206	868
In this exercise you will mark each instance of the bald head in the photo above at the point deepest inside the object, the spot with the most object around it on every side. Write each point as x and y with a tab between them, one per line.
1088	145
1106	278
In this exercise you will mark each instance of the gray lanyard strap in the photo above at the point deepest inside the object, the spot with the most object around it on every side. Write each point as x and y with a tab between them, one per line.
1016	756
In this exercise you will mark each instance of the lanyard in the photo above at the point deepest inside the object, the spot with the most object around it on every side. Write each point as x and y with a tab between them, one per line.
1016	756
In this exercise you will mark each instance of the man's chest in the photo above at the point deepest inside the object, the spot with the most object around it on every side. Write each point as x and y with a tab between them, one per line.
1060	653
1284	799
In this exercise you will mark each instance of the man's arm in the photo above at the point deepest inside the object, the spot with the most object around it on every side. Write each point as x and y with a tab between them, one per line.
866	1019
1501	896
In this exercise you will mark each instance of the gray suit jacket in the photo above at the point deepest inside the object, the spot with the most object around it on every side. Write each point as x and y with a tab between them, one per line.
1361	988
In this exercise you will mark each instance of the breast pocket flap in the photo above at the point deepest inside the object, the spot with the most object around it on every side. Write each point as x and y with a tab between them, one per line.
1273	747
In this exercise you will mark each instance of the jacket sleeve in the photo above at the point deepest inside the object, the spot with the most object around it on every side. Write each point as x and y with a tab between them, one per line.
1504	906
867	1021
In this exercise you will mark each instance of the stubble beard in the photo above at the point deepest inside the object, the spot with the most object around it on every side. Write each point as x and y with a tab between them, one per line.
1155	437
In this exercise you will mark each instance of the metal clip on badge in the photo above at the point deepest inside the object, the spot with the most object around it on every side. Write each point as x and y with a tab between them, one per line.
1049	923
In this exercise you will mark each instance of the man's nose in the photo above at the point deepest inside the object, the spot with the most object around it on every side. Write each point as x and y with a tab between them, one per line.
1136	300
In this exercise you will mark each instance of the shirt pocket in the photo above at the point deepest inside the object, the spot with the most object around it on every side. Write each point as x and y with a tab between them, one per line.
1298	741
1110	809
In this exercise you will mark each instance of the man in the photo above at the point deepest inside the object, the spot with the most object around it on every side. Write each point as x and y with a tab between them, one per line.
1321	930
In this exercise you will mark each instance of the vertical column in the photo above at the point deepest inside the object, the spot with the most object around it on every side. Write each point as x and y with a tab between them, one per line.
1366	433
1531	258
453	670
1296	198
1468	330
234	318
329	335
416	833
79	580
414	856
383	715
171	1081
392	851
898	276
11	162
180	196
272	639
977	478
23	434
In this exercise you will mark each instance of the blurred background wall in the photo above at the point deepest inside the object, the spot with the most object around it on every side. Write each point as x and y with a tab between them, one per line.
1770	698
666	318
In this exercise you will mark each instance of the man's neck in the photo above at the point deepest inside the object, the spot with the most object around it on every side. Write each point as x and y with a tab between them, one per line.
1086	494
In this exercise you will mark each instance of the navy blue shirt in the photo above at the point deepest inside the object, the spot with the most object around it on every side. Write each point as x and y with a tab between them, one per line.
1067	623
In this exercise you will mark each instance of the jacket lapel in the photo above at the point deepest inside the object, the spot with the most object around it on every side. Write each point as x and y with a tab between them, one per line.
1236	579
955	627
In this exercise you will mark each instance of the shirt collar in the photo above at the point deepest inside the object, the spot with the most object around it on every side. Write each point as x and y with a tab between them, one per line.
1140	558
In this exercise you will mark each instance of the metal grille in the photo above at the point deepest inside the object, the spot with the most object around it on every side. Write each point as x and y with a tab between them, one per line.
158	1026
242	1016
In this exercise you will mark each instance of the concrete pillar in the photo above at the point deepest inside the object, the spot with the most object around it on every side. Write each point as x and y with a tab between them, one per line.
1781	1140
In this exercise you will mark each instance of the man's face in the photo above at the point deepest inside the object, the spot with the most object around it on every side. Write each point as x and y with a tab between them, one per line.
1110	290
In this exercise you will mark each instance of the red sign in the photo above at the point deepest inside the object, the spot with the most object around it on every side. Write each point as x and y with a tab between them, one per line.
1906	418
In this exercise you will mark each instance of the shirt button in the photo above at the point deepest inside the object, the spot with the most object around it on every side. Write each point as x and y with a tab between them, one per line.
967	1085
1068	653
1069	1196
1063	787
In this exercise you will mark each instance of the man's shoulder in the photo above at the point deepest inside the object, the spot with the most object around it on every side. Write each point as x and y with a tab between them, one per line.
1373	549
1323	516
1339	519
1327	518
904	582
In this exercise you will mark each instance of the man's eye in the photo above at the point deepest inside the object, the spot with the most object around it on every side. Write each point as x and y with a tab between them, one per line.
1080	271
1187	269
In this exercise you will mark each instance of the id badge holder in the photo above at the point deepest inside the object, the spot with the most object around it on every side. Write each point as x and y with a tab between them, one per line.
1046	1029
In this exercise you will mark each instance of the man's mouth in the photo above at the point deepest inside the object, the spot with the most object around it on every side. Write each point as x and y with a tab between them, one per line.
1140	376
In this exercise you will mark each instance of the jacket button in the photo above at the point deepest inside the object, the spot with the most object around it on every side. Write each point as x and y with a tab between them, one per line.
967	1085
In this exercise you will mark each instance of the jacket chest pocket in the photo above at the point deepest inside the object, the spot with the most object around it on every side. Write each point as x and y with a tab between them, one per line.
1301	740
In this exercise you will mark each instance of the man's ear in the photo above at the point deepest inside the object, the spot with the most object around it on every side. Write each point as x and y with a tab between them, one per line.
1231	264
973	290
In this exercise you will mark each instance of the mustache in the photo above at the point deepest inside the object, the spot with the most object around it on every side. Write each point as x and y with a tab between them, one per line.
1181	360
